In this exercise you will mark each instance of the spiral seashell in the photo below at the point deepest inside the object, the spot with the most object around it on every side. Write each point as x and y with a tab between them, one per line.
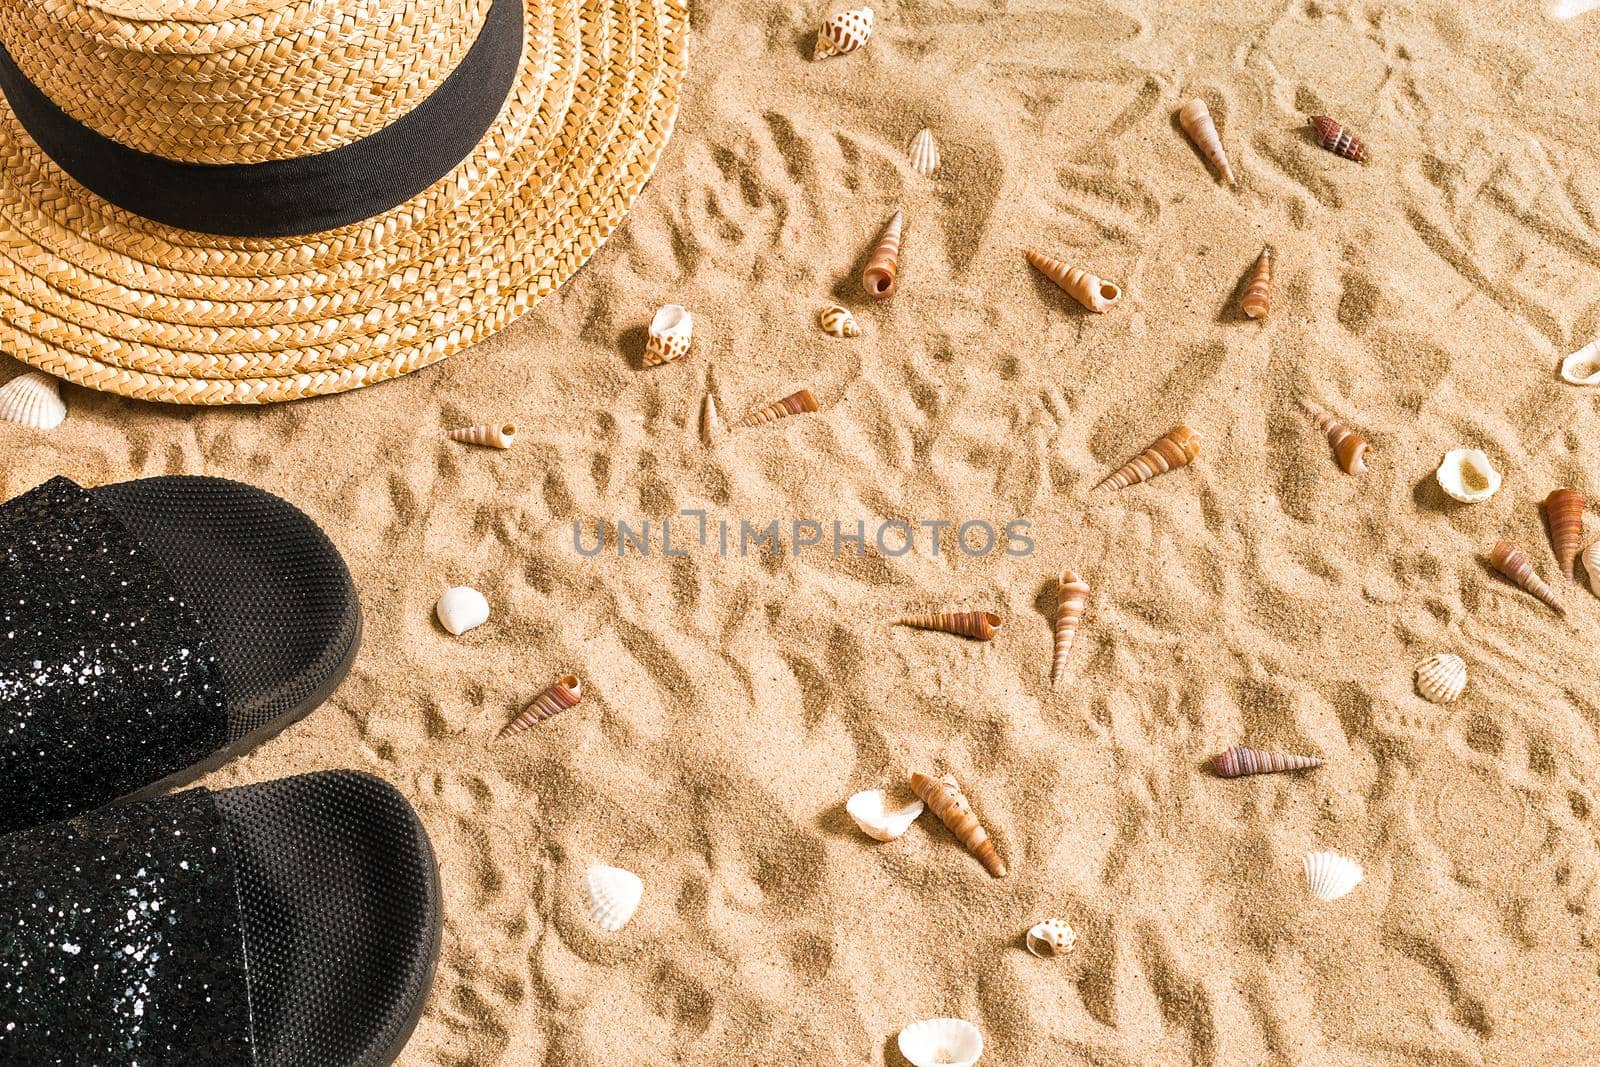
945	799
558	696
877	819
671	330
878	278
1088	290
924	153
614	895
1239	761
1442	678
1465	474
794	404
1512	562
1330	875
1257	299
978	625
1583	366
1338	140
941	1043
1196	120
836	321
1563	514
1349	447
844	32
1177	449
498	435
1072	596
1053	937
33	400
709	423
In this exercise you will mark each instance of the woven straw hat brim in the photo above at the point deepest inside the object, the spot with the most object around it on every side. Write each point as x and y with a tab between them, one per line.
104	298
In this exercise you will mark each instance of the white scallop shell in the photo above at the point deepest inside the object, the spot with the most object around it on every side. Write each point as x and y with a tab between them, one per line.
461	608
924	154
34	400
870	809
1465	474
614	896
1591	565
1053	937
1583	366
941	1043
1330	875
671	330
1442	678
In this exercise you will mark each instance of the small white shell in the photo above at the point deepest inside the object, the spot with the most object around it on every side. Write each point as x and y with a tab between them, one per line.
924	154
941	1043
614	896
670	332
1466	475
1583	366
870	809
1442	678
1591	566
1053	937
34	400
1330	875
461	608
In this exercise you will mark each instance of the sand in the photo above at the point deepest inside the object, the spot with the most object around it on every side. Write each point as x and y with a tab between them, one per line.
1261	595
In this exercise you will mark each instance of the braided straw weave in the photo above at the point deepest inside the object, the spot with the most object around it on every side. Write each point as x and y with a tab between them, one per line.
102	297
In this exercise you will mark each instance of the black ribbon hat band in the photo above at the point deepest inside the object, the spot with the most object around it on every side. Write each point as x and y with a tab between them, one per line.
289	197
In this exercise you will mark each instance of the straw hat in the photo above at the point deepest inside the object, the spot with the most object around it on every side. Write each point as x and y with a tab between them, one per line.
240	201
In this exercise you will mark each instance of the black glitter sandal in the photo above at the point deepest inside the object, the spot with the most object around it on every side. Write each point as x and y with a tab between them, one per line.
289	924
152	630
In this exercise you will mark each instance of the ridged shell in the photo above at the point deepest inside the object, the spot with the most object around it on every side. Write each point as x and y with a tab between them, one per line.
1195	118
1239	761
978	625
924	154
1465	474
1072	596
877	819
1583	366
558	696
1177	449
1349	447
794	404
1442	678
1330	876
1094	293
671	330
837	321
614	895
1337	139
879	276
1563	515
33	400
844	32
946	800
941	1043
1257	299
496	435
1053	937
461	608
1591	566
709	423
1512	562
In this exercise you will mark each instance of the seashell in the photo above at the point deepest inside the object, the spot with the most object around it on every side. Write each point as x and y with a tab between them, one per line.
1338	140
1512	562
1591	566
941	1043
878	278
1092	292
1196	120
670	332
1583	366
1177	449
1563	514
1053	937
1257	299
708	421
978	625
614	896
461	608
924	154
871	811
1442	678
33	400
836	321
1330	875
1072	596
1465	474
1239	761
499	435
1349	447
558	696
844	32
794	404
945	799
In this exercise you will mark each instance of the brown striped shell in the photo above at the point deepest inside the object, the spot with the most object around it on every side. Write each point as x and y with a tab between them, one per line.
1563	514
1093	293
1239	761
978	625
496	435
1195	118
1338	140
799	403
1177	449
837	321
1349	447
945	799
1257	299
1512	562
558	696
883	266
1072	596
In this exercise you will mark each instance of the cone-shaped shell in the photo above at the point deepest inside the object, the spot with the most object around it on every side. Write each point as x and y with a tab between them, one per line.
1563	514
1338	140
794	404
558	696
1239	761
945	799
1072	596
1583	366
1442	678
1465	474
1512	562
671	330
1330	876
1177	449
1195	118
614	895
879	819
978	625
496	435
836	321
33	400
941	1043
924	154
1094	293
1349	447
1257	299
709	423
883	266
1053	937
844	32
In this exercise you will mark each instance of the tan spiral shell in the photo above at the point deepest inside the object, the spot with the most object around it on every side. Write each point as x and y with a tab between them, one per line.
1257	299
844	32
1072	596
794	404
945	799
879	276
1337	139
1195	118
1177	449
709	423
1512	562
1093	293
1349	447
837	321
978	625
671	331
496	435
558	696
1442	677
1239	761
1563	514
